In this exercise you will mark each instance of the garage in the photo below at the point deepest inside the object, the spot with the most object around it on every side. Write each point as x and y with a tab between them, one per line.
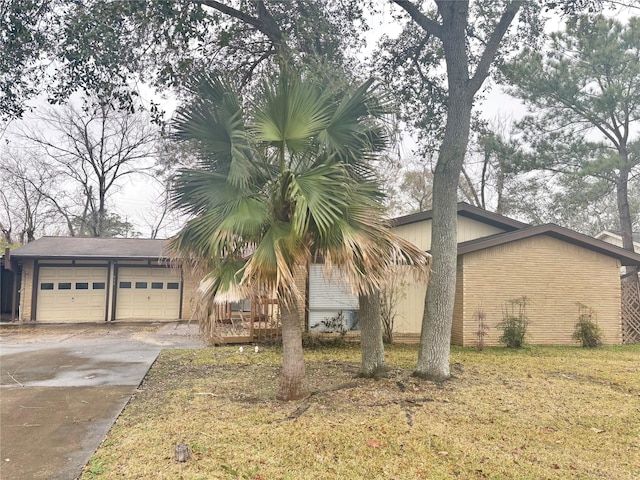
82	279
148	293
72	294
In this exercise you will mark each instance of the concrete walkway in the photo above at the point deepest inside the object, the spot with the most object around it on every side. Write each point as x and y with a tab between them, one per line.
63	386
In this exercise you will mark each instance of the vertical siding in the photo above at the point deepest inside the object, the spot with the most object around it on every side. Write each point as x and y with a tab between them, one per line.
457	328
419	233
26	290
469	229
411	305
411	308
190	295
555	276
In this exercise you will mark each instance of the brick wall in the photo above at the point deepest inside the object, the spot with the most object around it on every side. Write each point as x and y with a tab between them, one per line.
458	308
555	276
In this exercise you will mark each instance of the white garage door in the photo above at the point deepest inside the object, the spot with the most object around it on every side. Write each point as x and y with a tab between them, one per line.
71	294
148	293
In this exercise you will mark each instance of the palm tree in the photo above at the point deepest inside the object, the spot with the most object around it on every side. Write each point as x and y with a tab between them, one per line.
289	182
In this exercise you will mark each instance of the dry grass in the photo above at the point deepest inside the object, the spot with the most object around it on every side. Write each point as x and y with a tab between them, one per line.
539	413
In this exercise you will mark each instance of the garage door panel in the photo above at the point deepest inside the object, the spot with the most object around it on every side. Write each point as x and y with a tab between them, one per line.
71	294
148	293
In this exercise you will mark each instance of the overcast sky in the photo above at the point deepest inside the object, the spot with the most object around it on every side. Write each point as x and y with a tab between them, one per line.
138	197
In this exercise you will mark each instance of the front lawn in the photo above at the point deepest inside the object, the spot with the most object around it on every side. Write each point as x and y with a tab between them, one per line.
538	413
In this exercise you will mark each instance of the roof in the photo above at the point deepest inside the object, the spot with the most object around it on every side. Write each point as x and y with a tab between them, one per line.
468	211
626	257
618	236
93	248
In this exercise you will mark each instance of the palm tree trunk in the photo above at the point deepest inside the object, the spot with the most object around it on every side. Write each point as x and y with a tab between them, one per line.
292	377
371	345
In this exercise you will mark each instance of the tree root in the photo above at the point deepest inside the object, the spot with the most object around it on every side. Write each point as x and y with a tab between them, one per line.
305	406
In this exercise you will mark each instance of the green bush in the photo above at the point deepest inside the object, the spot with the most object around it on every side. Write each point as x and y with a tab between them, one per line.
587	331
514	322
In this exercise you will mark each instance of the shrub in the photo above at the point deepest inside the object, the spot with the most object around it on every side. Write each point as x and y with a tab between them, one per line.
480	318
587	331
392	292
514	322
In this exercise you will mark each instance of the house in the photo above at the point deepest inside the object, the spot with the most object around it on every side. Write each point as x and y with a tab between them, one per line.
60	279
501	259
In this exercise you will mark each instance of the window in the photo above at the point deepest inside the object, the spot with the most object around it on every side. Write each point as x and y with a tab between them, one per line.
82	286
46	286
156	285
125	284
141	284
98	285
64	286
172	285
241	306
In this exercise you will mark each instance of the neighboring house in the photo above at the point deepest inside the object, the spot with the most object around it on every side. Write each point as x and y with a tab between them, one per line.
59	279
500	259
616	239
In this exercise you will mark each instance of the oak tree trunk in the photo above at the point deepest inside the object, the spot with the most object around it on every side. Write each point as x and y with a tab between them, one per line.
433	360
372	348
292	376
435	338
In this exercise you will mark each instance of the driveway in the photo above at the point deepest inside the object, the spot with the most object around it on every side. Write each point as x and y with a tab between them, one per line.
63	386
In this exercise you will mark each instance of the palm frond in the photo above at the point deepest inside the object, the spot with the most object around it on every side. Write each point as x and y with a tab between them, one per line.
292	113
354	134
296	181
274	260
215	122
196	190
222	284
321	196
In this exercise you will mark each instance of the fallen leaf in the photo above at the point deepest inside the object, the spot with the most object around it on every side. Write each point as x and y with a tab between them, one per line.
374	443
555	466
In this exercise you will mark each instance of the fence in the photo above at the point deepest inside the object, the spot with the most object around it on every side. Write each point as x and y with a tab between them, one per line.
630	295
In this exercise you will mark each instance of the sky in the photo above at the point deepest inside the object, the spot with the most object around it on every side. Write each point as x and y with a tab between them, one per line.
139	196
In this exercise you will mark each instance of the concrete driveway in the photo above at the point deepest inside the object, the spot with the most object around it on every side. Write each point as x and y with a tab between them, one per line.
63	386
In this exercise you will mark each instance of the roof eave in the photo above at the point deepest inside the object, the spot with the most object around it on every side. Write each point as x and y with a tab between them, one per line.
88	257
464	210
626	257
